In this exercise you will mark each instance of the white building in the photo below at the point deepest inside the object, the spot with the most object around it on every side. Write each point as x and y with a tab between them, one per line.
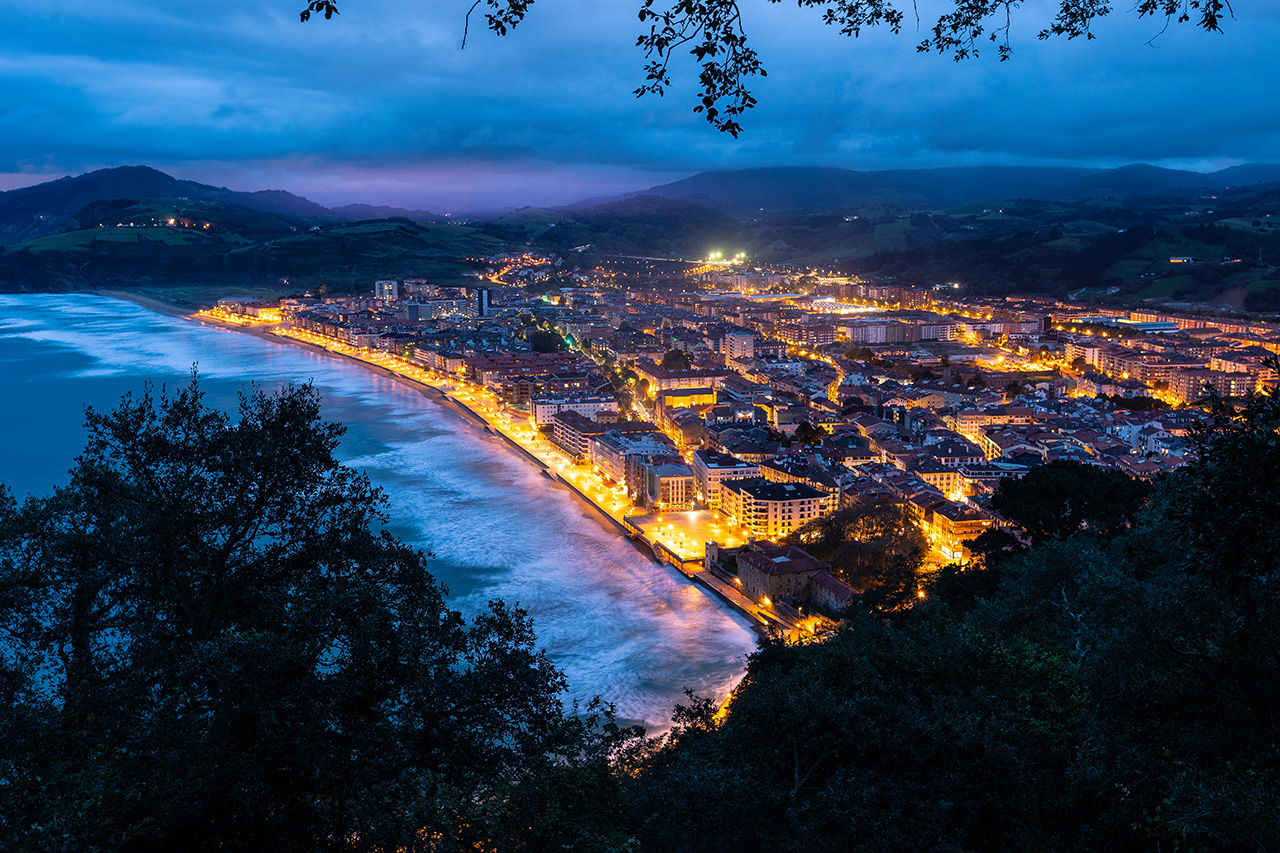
669	486
739	345
711	469
587	405
768	510
617	455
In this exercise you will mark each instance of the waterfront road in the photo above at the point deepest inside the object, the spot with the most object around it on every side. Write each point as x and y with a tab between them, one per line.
677	538
683	535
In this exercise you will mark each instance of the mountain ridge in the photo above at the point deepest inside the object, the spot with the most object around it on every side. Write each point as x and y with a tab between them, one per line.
775	189
48	208
35	211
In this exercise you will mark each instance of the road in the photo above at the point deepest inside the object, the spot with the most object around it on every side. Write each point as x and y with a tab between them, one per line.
683	533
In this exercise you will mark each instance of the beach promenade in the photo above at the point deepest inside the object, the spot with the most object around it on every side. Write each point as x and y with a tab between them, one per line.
677	539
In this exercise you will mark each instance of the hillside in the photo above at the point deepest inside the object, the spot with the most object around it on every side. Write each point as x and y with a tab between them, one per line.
1121	249
238	246
135	225
1105	248
51	207
1101	234
746	193
357	212
643	225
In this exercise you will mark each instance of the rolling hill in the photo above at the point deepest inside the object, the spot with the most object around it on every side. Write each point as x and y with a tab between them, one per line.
1066	230
236	248
43	209
748	193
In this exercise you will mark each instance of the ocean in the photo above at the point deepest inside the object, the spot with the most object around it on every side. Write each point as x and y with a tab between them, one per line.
620	625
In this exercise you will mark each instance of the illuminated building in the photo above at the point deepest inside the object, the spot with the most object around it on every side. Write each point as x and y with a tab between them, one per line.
711	469
768	510
777	572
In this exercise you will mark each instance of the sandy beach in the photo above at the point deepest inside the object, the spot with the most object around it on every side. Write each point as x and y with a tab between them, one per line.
149	302
619	624
435	394
444	398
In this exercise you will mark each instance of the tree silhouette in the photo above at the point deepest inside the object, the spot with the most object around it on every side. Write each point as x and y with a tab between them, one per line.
676	360
212	644
711	31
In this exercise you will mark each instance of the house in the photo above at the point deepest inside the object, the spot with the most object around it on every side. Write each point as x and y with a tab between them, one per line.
772	573
829	592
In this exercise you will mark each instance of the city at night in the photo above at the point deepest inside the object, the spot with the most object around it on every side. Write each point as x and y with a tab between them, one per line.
658	426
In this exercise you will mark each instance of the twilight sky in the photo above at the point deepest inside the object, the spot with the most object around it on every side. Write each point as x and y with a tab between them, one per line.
380	104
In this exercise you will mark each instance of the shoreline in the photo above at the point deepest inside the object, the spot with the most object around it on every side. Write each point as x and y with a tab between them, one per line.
149	302
446	399
440	397
618	626
459	408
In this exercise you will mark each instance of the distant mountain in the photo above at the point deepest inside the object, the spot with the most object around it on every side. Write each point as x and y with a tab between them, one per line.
530	216
356	212
597	200
50	208
746	193
1246	174
995	230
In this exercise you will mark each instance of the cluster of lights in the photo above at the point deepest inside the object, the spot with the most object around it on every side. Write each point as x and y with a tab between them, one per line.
592	485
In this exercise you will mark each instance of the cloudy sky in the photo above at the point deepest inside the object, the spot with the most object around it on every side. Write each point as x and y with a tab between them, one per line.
381	105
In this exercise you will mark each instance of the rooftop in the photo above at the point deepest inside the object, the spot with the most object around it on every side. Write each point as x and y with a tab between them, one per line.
779	559
762	490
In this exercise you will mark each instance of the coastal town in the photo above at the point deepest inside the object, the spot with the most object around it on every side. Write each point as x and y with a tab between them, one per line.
717	413
655	426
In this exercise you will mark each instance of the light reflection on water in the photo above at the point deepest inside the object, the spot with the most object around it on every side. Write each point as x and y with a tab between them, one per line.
619	625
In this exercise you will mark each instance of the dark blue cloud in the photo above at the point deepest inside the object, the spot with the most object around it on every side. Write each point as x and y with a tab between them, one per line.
380	104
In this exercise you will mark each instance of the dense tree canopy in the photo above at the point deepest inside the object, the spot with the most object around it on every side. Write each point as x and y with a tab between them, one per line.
875	547
713	34
1062	498
810	434
208	642
676	360
543	340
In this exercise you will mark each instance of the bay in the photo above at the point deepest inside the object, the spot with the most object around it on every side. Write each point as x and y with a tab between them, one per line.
621	626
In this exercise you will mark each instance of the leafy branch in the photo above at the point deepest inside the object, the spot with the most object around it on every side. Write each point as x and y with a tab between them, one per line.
712	33
719	42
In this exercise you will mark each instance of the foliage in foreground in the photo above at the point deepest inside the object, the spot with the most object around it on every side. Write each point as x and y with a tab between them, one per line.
209	643
712	32
1113	688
